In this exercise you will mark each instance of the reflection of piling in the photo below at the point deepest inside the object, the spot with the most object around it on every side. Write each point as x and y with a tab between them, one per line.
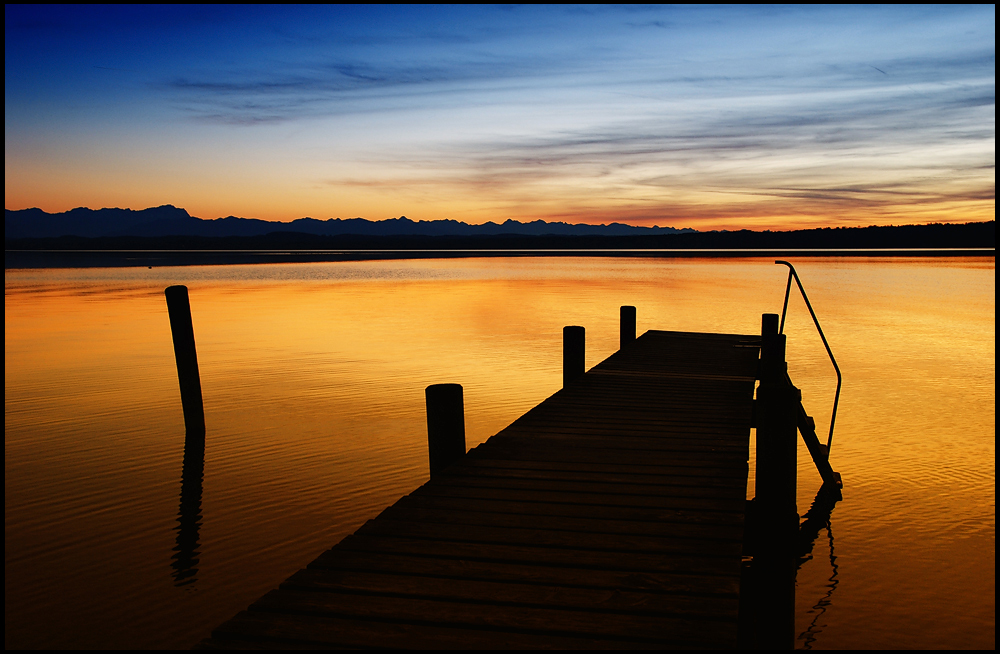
627	326
574	353
185	558
445	425
815	520
182	329
775	511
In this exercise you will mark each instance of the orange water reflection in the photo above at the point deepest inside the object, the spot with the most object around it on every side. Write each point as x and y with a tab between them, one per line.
313	378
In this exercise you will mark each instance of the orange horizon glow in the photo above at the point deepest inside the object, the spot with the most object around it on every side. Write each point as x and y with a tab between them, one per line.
763	216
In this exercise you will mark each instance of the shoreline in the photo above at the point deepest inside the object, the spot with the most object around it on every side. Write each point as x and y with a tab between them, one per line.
29	259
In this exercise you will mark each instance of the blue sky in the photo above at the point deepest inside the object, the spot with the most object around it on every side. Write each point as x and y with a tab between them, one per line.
706	117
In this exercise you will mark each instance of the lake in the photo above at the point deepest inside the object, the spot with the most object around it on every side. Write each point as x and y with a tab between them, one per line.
313	378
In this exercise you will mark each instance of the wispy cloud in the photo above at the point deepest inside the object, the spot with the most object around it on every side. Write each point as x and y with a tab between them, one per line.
345	87
846	149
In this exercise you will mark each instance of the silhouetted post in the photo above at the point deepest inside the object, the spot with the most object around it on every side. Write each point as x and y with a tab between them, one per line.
627	326
775	511
768	330
179	309
574	352
445	425
777	431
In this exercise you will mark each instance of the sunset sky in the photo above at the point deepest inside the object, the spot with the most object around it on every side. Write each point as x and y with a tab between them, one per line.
704	117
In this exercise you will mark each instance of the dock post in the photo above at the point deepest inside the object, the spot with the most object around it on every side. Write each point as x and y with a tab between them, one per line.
627	326
777	429
574	354
775	512
445	425
768	331
182	330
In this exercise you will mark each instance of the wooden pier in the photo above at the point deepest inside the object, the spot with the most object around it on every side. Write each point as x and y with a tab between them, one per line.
611	515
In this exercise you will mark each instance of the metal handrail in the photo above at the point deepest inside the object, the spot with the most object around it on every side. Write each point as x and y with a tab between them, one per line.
781	330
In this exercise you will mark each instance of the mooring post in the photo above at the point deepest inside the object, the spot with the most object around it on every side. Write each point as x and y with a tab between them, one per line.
768	331
182	330
445	425
574	353
775	511
627	326
777	433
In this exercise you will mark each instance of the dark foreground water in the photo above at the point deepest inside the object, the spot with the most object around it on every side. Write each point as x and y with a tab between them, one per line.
313	377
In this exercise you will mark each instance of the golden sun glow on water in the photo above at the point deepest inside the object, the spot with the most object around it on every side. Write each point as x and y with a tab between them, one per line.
313	378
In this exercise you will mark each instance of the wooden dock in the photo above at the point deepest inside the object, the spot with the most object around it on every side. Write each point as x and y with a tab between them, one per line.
609	516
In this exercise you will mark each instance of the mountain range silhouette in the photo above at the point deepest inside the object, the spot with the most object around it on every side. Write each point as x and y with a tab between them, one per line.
171	228
169	220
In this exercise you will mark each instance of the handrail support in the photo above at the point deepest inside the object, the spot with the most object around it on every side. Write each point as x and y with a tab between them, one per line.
781	330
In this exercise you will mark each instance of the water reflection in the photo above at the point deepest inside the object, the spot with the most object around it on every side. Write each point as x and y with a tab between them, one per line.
185	557
814	521
769	580
313	378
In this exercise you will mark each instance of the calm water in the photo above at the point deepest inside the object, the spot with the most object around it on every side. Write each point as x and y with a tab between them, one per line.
313	378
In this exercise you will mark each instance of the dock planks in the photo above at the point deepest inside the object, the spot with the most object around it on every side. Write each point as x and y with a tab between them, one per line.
609	516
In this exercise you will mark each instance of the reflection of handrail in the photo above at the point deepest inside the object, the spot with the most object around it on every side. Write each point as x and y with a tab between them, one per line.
781	330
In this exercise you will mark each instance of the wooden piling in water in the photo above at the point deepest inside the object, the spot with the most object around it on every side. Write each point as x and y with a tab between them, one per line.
182	331
574	354
627	326
775	511
445	425
777	431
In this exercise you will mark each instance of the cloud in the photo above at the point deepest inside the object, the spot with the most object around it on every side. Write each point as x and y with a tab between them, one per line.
909	145
345	87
